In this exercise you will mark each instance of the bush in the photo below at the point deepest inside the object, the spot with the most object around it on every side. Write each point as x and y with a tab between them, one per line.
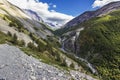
58	58
21	43
14	39
31	45
72	65
9	34
64	63
11	24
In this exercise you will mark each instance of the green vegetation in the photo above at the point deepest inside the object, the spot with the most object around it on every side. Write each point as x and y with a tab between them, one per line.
100	44
49	56
72	65
44	51
9	33
4	38
64	63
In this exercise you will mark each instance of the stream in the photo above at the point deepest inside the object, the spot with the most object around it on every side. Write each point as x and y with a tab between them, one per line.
81	59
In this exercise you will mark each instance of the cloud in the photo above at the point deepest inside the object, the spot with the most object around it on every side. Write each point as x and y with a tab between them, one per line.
42	9
54	6
100	3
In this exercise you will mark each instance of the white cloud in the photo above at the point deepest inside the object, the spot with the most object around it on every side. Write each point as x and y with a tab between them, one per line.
100	3
43	10
54	6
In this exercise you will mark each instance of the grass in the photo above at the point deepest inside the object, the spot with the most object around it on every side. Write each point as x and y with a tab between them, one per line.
4	38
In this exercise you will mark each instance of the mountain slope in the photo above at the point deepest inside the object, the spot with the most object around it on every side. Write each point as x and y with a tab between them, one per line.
14	64
23	67
14	15
100	44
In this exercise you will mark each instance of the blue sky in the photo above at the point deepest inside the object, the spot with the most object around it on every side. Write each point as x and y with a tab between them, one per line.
71	7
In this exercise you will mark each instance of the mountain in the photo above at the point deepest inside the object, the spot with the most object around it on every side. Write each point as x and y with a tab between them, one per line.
33	15
95	36
15	16
30	50
87	49
90	14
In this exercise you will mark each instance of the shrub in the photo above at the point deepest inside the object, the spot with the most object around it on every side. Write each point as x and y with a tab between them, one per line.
64	63
58	58
31	45
9	34
14	39
11	24
21	43
72	65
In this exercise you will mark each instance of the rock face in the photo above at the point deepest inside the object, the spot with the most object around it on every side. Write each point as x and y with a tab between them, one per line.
90	14
15	65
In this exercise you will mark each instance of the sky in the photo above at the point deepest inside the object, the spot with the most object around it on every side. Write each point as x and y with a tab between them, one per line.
60	11
70	7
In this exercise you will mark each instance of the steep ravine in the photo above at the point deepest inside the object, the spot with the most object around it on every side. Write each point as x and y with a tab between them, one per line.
65	42
89	65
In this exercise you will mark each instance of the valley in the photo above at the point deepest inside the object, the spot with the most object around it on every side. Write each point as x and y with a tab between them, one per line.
85	48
